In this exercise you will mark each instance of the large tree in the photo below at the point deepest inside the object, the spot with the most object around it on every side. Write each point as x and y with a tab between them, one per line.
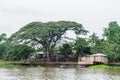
3	38
3	48
45	34
81	46
96	44
66	50
112	34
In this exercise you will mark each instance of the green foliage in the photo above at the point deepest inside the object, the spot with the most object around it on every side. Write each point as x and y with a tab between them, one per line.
56	49
87	50
112	34
2	44
93	40
66	49
6	64
104	67
100	46
3	48
45	34
110	46
18	52
113	52
81	47
3	37
100	67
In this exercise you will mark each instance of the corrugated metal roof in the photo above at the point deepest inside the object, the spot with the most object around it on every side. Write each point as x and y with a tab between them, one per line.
40	53
98	54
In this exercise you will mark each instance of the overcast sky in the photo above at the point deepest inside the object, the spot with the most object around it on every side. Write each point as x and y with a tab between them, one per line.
93	14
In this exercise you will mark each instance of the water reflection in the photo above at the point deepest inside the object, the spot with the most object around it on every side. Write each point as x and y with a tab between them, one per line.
50	73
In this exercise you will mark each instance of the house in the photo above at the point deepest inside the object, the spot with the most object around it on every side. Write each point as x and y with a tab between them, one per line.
98	58
40	55
37	55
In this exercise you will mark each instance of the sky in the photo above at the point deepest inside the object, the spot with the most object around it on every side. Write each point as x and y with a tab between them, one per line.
94	15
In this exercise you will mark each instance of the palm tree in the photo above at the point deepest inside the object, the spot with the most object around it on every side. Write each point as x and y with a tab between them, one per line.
93	39
3	37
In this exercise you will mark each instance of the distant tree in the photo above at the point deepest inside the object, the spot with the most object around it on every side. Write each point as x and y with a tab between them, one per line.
80	46
3	48
66	50
113	52
96	44
93	40
3	37
18	52
45	34
112	34
87	50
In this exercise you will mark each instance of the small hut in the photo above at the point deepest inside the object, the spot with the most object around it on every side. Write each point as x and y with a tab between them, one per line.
98	58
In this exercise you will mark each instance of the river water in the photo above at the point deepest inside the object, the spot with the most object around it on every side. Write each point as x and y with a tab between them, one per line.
52	73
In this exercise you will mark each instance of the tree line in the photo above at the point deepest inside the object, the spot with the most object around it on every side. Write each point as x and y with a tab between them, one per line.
48	37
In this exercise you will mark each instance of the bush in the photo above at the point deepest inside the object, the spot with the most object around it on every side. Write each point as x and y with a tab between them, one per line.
18	52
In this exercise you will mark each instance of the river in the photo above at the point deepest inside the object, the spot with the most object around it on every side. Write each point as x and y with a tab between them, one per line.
52	73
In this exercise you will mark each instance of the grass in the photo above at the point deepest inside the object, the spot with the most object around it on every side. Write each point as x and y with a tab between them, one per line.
6	64
104	67
115	67
100	67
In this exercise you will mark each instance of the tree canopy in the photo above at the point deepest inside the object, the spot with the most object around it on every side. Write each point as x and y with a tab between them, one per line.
45	37
18	52
66	49
3	37
112	34
45	34
80	46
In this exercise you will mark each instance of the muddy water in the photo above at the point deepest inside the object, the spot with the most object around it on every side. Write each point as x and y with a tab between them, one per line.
50	73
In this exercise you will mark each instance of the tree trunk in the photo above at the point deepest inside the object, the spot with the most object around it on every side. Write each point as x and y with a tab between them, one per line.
48	56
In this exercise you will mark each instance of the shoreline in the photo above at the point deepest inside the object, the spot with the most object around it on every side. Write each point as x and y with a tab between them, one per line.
55	64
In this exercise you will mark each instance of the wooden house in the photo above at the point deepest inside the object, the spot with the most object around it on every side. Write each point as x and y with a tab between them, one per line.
98	58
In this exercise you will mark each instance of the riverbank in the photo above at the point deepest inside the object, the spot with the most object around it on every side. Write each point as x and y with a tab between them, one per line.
6	64
104	67
50	64
22	63
55	64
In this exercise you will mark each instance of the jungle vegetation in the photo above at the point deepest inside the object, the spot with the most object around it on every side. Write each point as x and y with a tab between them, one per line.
49	37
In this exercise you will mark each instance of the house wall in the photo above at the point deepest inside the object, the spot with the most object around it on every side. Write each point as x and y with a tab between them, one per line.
92	59
102	59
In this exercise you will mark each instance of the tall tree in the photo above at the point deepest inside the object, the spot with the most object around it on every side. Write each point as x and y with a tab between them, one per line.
112	34
96	44
80	46
2	44
46	34
3	48
3	37
93	40
66	49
